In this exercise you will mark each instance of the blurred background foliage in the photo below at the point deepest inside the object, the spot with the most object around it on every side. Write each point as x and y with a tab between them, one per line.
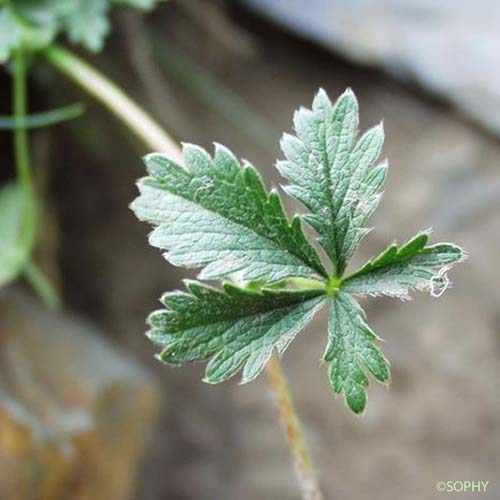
86	412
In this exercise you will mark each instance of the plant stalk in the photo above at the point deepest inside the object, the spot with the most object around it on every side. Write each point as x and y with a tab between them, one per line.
115	99
299	452
42	286
154	136
21	149
29	216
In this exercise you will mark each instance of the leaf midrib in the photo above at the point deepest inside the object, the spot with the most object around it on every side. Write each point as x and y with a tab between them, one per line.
164	187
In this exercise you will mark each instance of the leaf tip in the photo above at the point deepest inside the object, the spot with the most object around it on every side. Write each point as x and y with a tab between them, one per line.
350	96
356	400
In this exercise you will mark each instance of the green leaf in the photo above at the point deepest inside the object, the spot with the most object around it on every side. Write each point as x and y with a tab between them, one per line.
9	34
43	119
397	270
17	232
234	327
333	173
218	216
352	353
87	23
33	24
24	25
42	13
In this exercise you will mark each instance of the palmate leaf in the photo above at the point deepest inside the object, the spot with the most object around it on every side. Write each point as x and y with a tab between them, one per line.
352	352
234	327
215	215
397	270
333	174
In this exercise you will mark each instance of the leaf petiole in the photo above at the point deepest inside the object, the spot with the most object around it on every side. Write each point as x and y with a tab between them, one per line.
306	284
332	285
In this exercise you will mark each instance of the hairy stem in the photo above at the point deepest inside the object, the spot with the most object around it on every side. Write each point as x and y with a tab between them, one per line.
115	99
296	442
154	136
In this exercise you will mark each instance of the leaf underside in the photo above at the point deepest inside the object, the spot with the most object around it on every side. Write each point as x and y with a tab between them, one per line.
234	327
215	215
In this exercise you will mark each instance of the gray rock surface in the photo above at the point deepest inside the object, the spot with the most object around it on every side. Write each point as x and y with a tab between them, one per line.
449	47
75	414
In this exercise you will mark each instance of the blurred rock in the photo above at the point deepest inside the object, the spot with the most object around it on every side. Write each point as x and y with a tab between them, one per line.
75	414
450	48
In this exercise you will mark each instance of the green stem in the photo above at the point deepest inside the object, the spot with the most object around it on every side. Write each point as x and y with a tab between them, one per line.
23	167
21	149
115	99
42	286
22	155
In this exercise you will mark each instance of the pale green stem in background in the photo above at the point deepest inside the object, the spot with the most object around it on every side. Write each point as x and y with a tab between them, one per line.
42	286
21	149
214	94
23	168
43	119
155	137
119	103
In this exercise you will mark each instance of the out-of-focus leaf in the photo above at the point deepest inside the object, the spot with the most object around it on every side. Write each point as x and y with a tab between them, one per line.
33	24
43	119
17	231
